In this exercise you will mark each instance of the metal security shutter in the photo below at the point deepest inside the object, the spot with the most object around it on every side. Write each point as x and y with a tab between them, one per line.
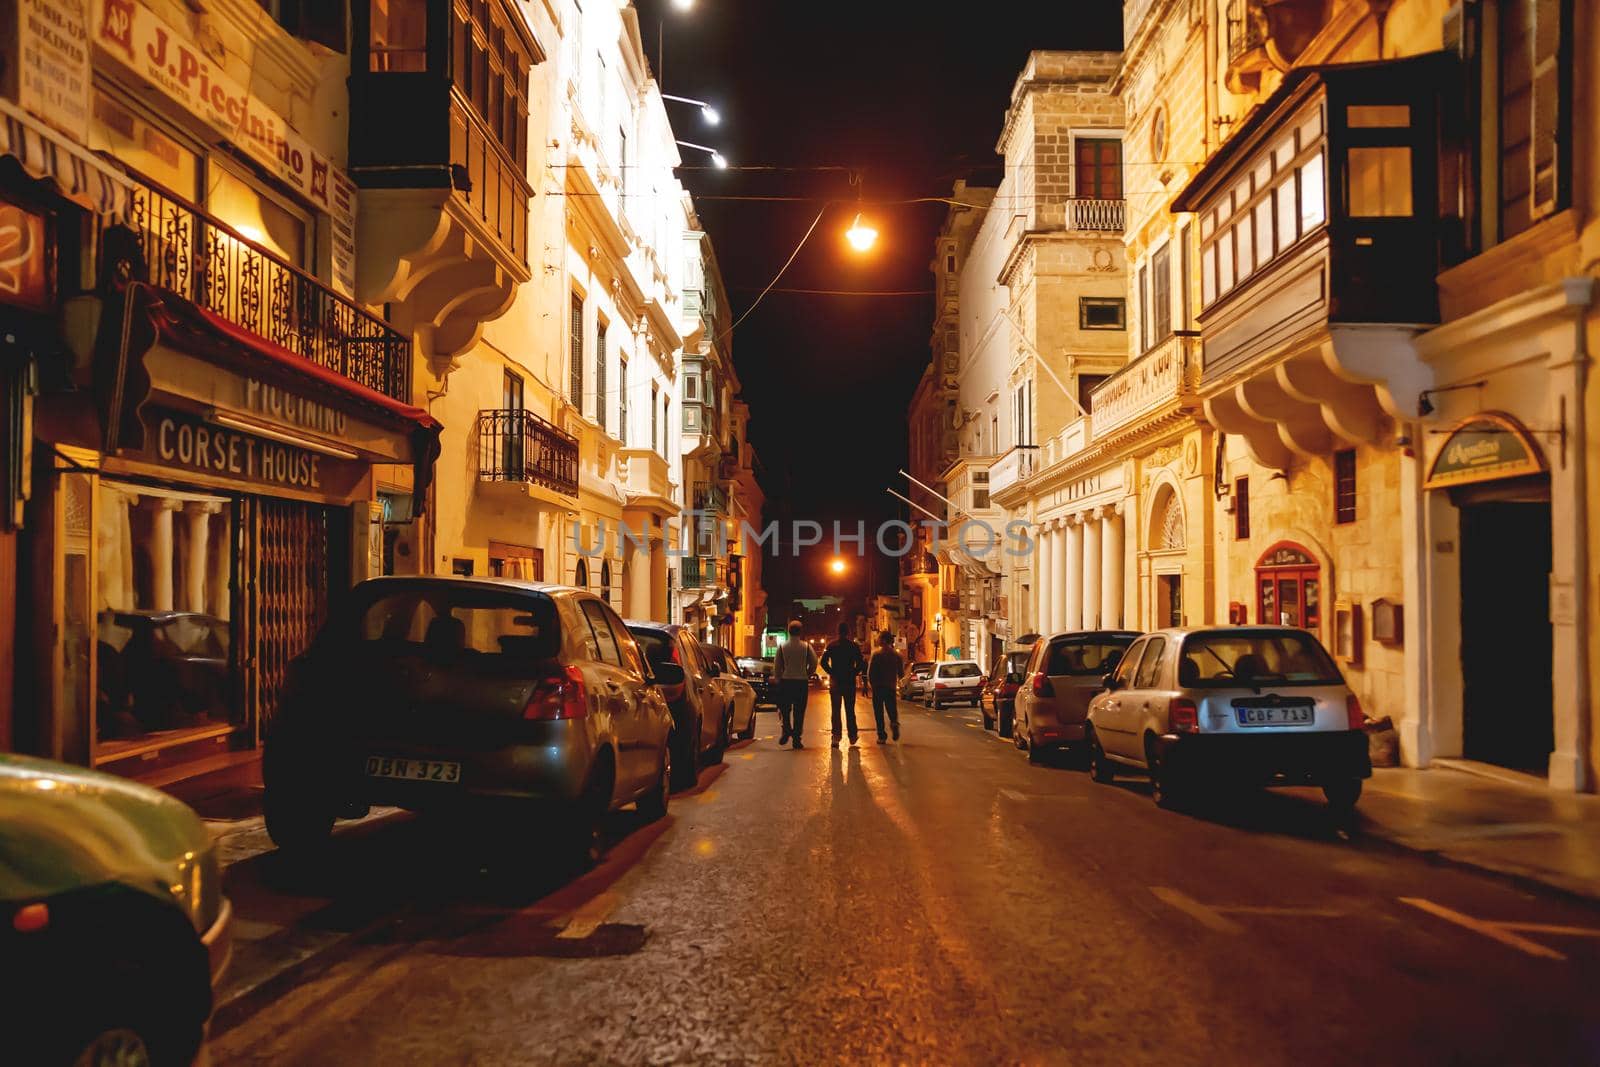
287	544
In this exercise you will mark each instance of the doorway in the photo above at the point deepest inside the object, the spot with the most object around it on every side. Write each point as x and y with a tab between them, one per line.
1169	600
1506	663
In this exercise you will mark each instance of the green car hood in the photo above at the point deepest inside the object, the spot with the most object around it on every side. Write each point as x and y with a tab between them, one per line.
64	827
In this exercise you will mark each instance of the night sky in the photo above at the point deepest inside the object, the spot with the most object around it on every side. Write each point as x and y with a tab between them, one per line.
909	97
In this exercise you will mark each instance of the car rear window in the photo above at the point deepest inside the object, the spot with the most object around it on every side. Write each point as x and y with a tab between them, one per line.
656	645
1088	656
1241	659
443	622
959	670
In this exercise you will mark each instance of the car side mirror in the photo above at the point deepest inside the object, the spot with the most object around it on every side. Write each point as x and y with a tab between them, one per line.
1110	683
666	673
713	671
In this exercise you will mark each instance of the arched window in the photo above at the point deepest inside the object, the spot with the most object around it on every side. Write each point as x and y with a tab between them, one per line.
1289	587
1166	522
580	574
605	580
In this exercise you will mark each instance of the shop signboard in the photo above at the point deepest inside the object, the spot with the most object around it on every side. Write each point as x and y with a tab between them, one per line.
25	258
140	40
44	61
1484	447
219	454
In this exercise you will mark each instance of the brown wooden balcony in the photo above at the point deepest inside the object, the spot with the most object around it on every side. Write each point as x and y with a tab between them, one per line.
206	261
515	445
710	497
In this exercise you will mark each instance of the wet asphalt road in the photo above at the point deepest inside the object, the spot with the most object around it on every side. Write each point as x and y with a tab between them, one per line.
933	901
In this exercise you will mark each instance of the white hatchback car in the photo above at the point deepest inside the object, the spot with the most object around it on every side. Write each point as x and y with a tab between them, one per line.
955	680
1253	705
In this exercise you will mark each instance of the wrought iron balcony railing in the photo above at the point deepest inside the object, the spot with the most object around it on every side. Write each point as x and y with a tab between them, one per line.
205	260
515	445
708	496
950	601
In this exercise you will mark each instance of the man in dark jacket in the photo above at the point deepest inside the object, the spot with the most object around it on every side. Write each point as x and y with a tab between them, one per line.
883	673
844	663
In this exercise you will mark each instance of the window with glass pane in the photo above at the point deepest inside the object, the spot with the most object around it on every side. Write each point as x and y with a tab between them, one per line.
399	37
1380	182
622	401
256	217
1208	275
1225	263
1244	240
1288	212
1263	228
1098	163
1161	294
1313	208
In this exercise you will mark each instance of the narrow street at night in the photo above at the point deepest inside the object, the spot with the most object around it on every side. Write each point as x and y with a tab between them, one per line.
933	900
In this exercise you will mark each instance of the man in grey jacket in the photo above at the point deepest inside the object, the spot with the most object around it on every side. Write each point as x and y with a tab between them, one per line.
795	665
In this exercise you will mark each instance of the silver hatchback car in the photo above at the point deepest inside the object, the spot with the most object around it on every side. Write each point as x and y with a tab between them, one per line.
1256	705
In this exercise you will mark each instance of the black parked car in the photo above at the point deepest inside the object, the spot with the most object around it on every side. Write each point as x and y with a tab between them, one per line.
761	676
702	714
470	695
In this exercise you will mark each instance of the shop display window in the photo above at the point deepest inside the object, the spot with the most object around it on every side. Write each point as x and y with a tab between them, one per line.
164	640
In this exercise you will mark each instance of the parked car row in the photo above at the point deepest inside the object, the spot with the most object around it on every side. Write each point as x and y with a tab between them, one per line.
1190	708
529	701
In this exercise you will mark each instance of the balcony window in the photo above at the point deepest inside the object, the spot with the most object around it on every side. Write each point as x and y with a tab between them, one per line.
1098	166
1380	181
1270	207
399	36
1161	293
1313	195
255	216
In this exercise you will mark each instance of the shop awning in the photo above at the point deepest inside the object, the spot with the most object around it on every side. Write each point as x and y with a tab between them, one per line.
191	328
973	566
81	176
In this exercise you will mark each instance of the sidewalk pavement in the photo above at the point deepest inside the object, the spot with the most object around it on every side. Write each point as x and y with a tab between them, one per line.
1522	831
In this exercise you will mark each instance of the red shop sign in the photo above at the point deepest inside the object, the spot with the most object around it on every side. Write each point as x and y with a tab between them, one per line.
24	258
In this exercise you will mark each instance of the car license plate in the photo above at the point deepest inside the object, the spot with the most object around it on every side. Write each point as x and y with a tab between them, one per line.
1292	715
413	770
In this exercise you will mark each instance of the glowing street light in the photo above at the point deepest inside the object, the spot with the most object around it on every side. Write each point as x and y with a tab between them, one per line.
717	159
861	235
836	565
683	5
708	113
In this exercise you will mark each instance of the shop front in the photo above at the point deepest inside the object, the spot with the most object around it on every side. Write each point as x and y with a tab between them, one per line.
192	533
1503	546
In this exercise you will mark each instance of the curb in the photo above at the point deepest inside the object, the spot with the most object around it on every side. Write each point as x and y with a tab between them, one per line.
1370	835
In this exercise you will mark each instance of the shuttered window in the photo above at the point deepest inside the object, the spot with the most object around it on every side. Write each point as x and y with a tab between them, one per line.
577	352
600	398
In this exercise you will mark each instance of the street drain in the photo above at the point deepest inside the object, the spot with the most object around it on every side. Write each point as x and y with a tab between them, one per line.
608	939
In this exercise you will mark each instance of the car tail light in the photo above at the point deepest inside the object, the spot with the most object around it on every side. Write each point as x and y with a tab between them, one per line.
940	685
1184	716
559	695
1041	685
31	918
1358	717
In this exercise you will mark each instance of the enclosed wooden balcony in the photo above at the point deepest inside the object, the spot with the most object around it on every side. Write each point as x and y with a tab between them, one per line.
439	149
1321	234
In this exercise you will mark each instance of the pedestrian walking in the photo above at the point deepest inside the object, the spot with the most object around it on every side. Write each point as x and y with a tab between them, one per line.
844	663
883	675
796	663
